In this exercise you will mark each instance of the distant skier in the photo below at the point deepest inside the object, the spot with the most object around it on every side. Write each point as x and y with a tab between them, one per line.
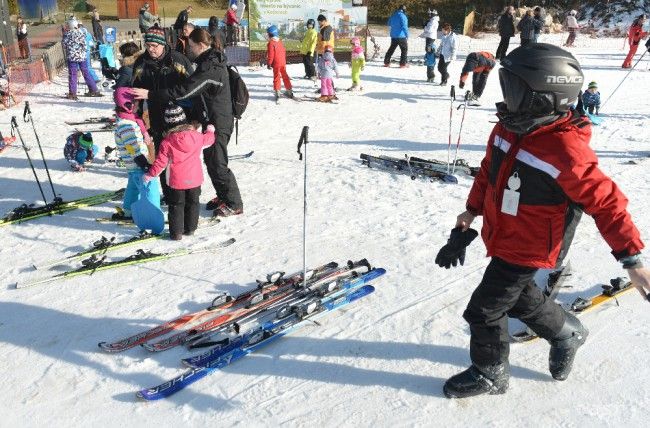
506	26
399	36
571	24
146	19
276	60
591	99
74	44
135	149
308	49
430	32
539	23
327	69
446	52
430	62
479	64
537	169
357	62
634	36
180	153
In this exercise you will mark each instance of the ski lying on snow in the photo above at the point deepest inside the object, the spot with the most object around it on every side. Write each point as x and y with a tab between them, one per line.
97	264
405	166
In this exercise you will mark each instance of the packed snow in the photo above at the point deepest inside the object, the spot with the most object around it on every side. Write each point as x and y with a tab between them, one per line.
380	361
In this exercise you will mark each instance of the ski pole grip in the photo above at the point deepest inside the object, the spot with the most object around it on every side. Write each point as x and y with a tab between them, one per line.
14	123
27	111
452	93
304	139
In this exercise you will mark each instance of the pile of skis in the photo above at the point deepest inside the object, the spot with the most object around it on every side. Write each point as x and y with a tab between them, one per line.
556	280
415	167
232	327
108	124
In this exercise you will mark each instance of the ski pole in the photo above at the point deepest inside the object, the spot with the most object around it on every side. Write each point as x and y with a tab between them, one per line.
27	117
460	130
452	98
14	127
304	139
623	80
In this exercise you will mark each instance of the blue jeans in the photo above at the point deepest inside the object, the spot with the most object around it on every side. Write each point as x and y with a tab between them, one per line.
133	188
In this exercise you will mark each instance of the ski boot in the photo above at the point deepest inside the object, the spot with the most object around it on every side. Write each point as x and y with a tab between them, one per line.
564	346
289	94
477	381
213	204
72	96
226	211
277	96
121	215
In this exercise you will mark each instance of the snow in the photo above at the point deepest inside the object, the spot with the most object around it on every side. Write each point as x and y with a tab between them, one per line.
381	361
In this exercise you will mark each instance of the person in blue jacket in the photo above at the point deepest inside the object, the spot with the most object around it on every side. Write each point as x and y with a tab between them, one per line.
90	45
591	99
399	33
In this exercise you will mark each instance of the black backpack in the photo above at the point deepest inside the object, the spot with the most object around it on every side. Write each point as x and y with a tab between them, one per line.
238	95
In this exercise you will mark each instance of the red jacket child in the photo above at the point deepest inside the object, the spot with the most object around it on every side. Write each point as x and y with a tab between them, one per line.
276	59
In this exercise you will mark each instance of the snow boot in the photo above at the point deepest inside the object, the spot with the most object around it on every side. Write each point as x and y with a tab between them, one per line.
477	381
225	211
277	95
213	204
564	346
289	93
323	99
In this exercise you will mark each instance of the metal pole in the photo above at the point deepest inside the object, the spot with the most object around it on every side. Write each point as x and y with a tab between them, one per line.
452	97
460	130
27	117
14	127
304	139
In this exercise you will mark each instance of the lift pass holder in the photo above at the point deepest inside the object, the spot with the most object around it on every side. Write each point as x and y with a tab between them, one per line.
510	202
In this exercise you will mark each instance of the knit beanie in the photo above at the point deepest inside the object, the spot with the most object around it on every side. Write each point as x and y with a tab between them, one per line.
174	115
155	34
86	140
593	85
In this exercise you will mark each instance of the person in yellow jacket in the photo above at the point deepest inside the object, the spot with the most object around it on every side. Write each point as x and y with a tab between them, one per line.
308	48
357	63
325	36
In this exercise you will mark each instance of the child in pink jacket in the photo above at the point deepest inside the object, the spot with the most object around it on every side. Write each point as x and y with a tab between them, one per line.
180	152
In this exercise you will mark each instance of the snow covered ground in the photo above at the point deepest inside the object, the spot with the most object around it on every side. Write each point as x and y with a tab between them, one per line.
379	362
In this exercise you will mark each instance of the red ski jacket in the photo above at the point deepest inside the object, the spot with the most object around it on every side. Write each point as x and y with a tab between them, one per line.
276	56
557	171
635	34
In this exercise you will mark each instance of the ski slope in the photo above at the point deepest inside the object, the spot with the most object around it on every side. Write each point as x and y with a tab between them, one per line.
381	361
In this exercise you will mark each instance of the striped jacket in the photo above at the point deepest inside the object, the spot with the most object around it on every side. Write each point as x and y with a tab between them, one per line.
557	173
129	142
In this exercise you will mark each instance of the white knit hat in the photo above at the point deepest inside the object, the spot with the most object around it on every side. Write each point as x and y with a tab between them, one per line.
175	115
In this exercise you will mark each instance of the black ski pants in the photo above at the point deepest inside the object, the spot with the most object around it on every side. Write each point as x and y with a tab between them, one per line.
507	290
403	48
183	210
430	72
479	80
502	50
442	69
223	179
310	68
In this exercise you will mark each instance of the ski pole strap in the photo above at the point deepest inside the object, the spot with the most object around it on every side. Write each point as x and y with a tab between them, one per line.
304	139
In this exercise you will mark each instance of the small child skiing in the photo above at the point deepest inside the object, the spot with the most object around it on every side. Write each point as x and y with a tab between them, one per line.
430	62
135	150
79	150
180	151
357	63
327	69
591	99
276	59
308	48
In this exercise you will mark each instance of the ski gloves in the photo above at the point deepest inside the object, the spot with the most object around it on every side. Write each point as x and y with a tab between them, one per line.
454	251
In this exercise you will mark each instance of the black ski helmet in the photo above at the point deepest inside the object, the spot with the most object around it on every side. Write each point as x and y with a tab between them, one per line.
540	79
311	22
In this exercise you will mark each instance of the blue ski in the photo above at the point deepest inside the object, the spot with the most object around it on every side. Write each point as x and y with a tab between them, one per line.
233	352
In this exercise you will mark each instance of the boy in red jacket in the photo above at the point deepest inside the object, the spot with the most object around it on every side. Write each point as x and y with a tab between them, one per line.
537	175
276	59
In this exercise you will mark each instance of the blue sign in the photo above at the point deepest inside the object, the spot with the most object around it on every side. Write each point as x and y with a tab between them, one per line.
110	34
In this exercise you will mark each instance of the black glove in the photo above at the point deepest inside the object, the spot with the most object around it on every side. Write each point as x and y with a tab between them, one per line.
454	251
142	162
461	85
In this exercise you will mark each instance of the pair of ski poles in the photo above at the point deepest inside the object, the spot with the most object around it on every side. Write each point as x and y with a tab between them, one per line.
27	118
452	98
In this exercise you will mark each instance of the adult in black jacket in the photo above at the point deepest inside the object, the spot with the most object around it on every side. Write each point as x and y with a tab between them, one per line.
506	28
159	68
216	32
209	86
182	19
539	22
526	28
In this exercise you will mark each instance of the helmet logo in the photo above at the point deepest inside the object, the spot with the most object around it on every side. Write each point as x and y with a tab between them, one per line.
564	79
